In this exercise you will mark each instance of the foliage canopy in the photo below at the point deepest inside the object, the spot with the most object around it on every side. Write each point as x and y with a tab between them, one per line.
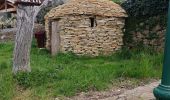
145	7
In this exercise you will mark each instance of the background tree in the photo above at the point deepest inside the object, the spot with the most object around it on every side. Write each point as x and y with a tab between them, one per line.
139	8
26	15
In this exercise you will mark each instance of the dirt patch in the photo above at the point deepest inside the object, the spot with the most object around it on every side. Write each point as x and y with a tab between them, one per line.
123	90
119	92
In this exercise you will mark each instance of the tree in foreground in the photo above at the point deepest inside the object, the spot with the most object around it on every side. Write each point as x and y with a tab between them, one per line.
26	14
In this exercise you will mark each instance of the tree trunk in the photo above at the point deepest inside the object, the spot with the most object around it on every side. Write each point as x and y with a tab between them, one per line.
25	24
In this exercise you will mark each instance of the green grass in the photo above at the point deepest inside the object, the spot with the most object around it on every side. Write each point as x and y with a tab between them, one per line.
6	80
68	74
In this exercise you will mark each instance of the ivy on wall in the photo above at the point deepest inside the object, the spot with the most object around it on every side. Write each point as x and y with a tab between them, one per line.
145	7
146	24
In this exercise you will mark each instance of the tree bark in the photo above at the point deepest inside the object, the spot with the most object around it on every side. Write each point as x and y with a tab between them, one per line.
25	24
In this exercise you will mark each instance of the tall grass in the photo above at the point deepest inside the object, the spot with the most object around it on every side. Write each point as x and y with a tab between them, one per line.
68	74
6	80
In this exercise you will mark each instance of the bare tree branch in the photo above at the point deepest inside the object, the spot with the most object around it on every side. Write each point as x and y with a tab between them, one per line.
38	8
45	3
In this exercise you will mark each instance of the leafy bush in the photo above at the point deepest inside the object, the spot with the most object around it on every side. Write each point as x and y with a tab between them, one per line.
118	1
145	7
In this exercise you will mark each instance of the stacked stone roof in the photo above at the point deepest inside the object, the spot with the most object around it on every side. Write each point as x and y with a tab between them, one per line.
105	8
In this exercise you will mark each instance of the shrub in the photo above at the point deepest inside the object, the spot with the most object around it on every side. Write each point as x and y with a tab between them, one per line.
145	7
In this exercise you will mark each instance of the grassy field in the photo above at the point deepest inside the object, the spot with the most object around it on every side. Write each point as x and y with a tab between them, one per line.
68	74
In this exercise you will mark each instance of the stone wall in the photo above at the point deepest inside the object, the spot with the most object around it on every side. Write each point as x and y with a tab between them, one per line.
7	35
146	32
79	37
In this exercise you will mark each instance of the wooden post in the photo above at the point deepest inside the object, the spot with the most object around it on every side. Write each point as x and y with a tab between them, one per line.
55	38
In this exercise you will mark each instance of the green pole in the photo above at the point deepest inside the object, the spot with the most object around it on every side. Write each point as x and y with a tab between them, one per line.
162	92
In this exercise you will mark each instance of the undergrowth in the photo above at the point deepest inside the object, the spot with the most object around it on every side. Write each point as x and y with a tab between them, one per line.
68	74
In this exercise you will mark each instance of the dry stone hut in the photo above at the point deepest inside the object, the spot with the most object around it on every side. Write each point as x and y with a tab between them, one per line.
89	27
